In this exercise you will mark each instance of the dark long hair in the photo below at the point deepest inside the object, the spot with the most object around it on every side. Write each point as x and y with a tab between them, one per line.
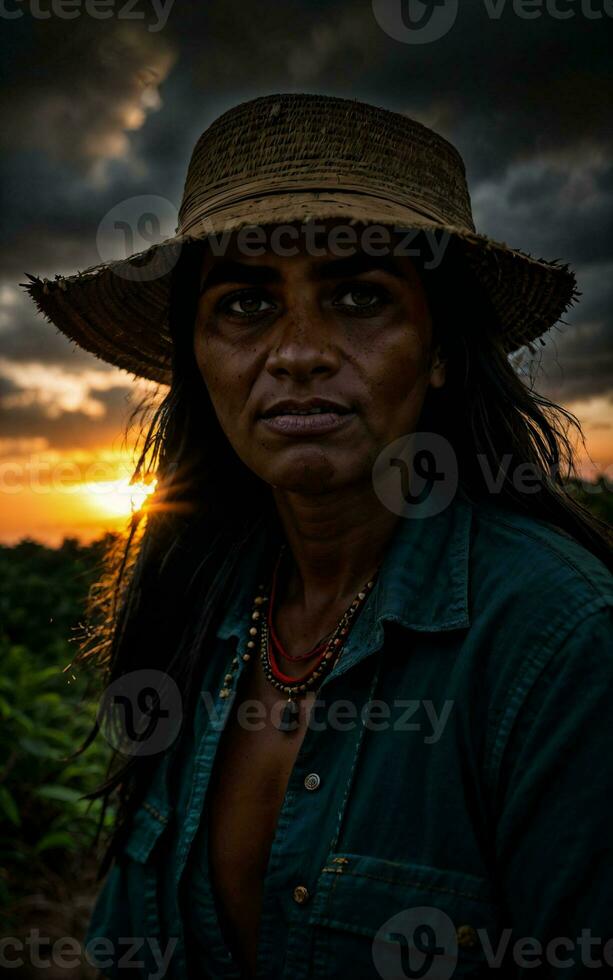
161	592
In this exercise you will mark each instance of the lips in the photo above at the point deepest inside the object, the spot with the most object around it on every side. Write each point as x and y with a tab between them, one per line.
313	416
310	406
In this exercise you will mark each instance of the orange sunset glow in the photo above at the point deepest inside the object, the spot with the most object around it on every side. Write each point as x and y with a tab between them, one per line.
52	496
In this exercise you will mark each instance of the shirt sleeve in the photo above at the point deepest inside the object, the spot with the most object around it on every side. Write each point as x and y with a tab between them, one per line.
554	825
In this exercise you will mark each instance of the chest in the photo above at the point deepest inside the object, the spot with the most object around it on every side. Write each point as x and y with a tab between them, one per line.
387	823
253	764
252	767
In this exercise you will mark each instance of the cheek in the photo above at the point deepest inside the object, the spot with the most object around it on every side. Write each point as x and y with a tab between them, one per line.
227	371
398	373
202	355
216	361
212	366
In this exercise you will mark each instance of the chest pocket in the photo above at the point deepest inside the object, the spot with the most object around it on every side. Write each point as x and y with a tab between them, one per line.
387	920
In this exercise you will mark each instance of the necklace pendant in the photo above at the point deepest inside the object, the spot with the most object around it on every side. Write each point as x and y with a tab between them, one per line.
289	717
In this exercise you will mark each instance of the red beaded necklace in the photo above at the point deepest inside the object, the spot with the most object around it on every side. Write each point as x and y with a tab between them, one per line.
259	636
332	647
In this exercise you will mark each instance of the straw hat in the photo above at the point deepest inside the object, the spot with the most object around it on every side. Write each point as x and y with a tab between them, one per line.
282	158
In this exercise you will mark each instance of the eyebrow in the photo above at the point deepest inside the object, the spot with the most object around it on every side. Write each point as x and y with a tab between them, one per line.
230	270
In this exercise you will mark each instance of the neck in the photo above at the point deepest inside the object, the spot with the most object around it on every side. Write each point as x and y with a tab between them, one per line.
335	542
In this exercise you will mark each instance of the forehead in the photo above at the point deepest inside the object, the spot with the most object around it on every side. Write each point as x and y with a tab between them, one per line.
317	250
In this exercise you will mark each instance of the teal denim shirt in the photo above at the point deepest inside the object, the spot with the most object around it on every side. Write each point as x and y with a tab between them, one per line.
463	819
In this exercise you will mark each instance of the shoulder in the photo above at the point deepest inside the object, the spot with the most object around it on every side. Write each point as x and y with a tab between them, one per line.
537	599
541	623
522	564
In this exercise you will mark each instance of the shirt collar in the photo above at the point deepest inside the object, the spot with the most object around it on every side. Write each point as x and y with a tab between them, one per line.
422	582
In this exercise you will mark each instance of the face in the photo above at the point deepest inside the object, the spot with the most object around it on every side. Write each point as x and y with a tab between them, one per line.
346	340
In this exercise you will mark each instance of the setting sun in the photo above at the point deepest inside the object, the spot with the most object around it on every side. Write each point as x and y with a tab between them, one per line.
119	498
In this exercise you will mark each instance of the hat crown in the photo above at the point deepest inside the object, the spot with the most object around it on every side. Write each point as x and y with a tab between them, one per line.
279	143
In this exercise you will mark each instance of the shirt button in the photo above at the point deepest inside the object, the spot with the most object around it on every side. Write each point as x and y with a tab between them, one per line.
301	894
467	937
312	781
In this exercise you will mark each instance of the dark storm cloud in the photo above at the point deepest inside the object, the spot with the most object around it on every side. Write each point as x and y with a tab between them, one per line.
89	88
68	136
33	338
504	89
581	367
577	361
526	102
512	88
71	430
7	387
551	209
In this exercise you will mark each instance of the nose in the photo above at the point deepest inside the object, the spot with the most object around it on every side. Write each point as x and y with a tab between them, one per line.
302	347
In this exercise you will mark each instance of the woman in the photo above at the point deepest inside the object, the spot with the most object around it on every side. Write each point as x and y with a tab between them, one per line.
391	657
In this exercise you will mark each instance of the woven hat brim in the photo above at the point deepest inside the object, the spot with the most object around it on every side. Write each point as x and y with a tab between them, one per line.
119	310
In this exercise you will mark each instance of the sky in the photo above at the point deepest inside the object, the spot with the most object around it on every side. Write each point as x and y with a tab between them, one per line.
102	110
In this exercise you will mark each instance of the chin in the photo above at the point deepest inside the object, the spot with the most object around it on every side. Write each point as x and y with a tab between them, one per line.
311	470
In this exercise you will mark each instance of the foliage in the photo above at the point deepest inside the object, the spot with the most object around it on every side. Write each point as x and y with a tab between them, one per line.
46	710
596	496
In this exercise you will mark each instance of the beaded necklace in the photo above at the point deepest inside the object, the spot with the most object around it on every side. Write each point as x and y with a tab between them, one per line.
328	650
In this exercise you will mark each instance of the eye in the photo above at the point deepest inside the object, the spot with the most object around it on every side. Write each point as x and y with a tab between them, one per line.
247	303
361	297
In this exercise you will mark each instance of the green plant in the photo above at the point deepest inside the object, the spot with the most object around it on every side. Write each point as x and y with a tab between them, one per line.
46	710
597	496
